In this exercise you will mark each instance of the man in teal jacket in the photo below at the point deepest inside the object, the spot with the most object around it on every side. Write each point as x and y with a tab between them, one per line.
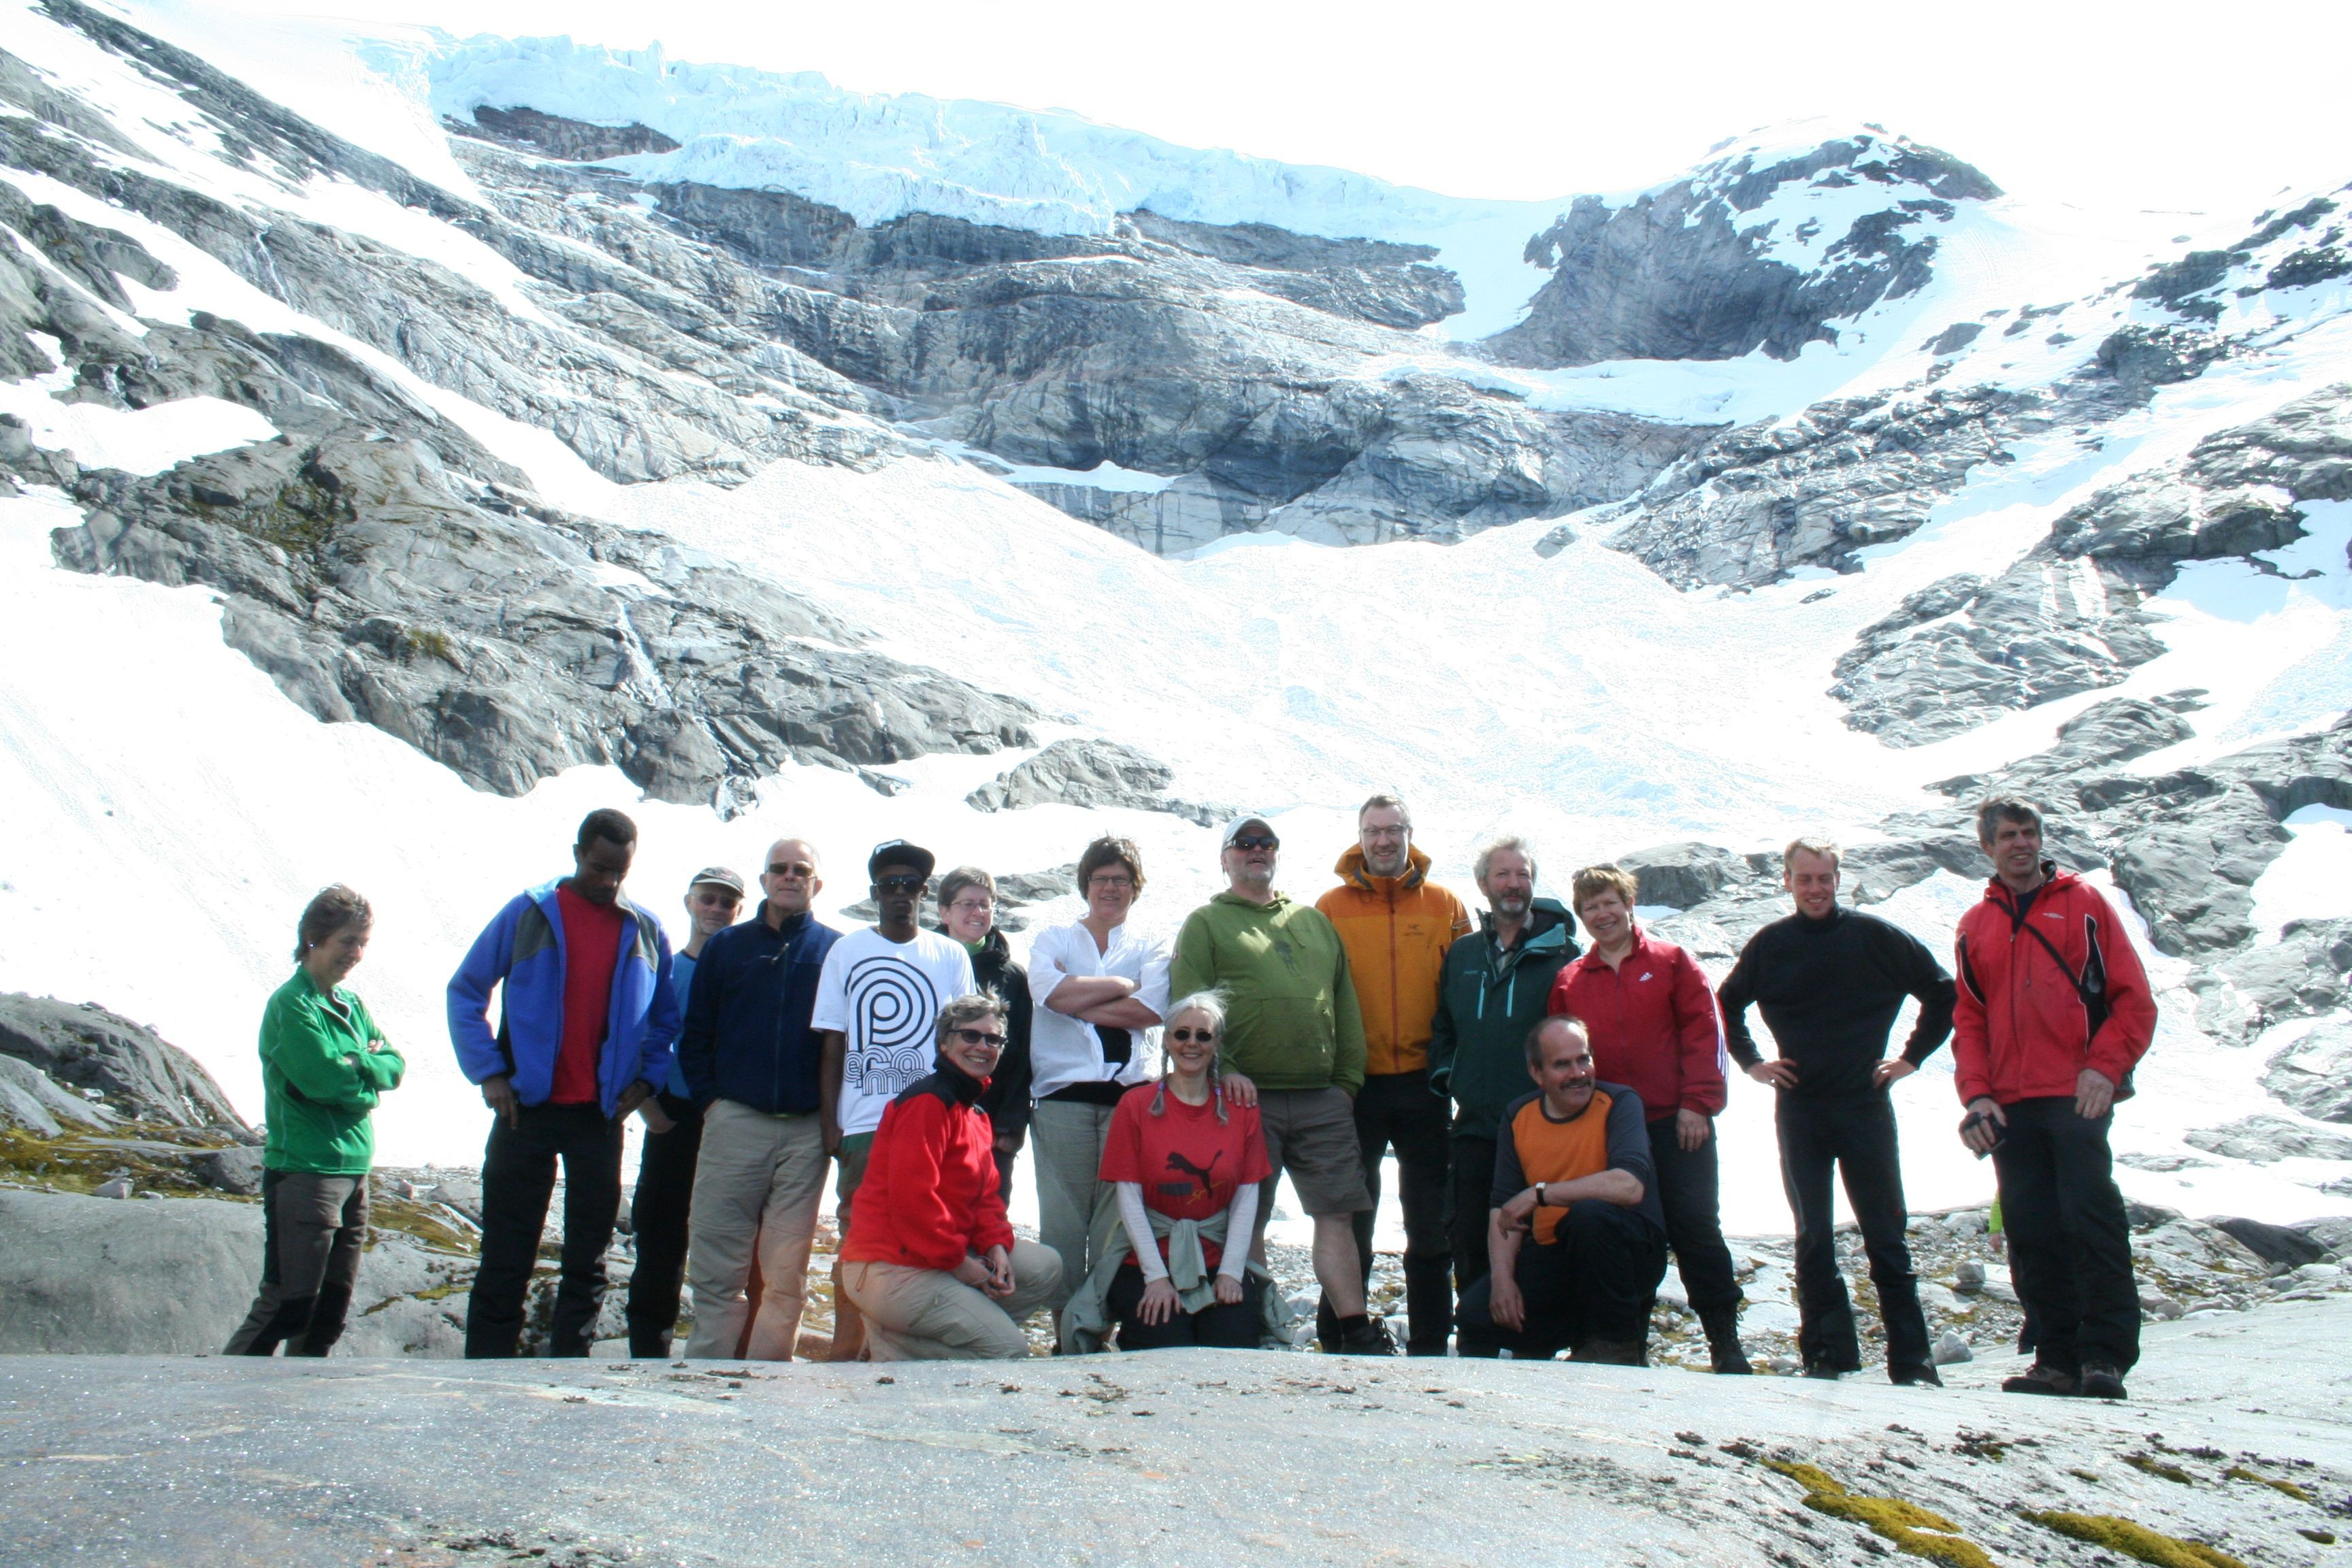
589	1019
1493	990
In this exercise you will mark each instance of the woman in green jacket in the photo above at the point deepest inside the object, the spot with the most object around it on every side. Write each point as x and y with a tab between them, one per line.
324	1064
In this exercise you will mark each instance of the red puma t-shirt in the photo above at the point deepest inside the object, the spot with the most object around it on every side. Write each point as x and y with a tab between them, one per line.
592	951
1187	1162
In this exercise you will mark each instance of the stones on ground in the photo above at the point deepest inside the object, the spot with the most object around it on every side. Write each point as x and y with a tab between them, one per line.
1950	1349
2314	1074
232	1170
2266	1140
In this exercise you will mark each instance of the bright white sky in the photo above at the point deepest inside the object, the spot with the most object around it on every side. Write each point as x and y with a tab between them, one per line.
2207	108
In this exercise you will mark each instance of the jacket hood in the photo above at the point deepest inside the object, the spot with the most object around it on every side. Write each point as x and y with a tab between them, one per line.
544	897
1545	917
1350	868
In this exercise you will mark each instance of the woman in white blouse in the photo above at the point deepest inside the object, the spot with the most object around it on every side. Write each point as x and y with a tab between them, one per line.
1100	991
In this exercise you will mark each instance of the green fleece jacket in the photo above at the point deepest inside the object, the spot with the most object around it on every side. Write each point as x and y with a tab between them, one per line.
1291	1019
324	1064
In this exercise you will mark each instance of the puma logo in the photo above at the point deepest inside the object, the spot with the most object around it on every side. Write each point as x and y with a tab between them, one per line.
1177	1161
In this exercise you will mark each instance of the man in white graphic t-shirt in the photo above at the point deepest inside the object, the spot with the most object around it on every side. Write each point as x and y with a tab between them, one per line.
877	1005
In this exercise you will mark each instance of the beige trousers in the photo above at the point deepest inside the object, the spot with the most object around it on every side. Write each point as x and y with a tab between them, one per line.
756	1184
927	1314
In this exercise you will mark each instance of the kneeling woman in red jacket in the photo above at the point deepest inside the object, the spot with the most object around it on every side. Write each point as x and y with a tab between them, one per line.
930	1259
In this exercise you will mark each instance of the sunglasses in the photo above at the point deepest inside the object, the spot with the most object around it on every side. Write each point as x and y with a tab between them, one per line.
900	884
791	869
1256	841
1186	1036
980	1037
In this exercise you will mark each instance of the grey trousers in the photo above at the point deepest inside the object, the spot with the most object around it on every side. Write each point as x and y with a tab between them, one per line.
756	1184
312	1229
927	1314
1077	1211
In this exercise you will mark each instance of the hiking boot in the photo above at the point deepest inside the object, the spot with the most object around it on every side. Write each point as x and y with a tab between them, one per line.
1723	1350
1611	1353
1825	1372
2041	1379
1920	1376
2101	1380
1369	1337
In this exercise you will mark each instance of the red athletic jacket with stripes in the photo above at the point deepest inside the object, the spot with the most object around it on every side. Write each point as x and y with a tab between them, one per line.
1652	1023
2050	985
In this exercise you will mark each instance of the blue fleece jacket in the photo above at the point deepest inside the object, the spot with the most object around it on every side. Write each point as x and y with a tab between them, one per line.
523	947
747	1036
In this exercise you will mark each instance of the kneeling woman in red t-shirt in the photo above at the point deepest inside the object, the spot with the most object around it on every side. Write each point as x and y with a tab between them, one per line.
1187	1163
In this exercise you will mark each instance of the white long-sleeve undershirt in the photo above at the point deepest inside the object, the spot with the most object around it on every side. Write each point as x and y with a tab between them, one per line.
1241	1215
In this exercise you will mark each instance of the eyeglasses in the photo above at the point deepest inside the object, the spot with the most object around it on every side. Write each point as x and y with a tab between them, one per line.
1110	880
801	869
1186	1036
1384	832
900	884
980	1037
972	906
1256	841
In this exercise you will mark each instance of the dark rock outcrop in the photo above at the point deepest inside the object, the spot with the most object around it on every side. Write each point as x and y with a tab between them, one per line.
1091	773
553	136
135	1072
2308	969
1681	273
2314	1075
373	584
2266	1140
1688	874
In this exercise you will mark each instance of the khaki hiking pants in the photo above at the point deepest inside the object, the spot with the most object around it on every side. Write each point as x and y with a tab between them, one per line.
1077	1211
927	1314
756	1184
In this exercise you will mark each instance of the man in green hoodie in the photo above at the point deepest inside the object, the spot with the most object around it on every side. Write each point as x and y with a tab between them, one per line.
1295	1037
1494	988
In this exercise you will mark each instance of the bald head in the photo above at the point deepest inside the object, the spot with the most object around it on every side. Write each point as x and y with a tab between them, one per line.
790	879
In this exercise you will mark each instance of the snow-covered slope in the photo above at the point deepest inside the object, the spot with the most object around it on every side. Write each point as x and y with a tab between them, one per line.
1535	677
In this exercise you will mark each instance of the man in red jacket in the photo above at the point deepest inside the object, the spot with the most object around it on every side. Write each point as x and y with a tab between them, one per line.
1645	1005
2055	1010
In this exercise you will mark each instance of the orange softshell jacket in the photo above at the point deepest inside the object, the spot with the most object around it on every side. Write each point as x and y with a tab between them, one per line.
1396	930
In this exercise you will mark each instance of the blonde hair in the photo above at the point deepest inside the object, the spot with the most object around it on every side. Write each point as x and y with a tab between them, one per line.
1210	1004
1595	881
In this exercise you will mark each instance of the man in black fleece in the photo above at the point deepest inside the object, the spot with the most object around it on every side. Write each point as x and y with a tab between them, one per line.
1830	981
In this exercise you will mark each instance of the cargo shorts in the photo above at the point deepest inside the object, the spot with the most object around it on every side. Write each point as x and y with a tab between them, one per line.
1311	1134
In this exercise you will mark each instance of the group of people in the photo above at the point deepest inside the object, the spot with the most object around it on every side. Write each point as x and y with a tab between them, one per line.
1550	1108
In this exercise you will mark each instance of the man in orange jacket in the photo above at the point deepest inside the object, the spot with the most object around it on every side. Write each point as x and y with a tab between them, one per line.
2055	1010
1396	925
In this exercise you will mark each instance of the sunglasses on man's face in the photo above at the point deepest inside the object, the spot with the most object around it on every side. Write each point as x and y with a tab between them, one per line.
1186	1036
899	884
980	1037
1256	841
783	868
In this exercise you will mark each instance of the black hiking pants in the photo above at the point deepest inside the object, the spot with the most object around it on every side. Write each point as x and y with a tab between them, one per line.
2069	1238
1688	1190
1236	1327
518	1179
659	1212
1595	1280
1856	1138
312	1229
1471	1196
1397	1110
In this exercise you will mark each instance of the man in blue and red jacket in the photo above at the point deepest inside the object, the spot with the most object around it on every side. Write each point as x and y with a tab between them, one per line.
2053	1012
587	1019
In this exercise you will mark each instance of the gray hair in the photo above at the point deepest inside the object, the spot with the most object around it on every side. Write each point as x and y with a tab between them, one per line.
964	876
1210	1004
1821	847
2002	808
1384	798
1493	847
966	1011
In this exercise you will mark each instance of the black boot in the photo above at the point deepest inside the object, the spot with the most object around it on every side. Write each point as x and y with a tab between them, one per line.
1722	1326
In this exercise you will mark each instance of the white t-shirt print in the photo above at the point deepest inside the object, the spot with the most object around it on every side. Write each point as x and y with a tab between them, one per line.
884	997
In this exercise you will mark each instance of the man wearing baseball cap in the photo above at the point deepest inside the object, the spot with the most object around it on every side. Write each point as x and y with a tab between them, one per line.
1293	1031
660	1207
877	1005
754	1061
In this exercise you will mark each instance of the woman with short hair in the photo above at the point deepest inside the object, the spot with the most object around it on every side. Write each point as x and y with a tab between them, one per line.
1185	1162
324	1065
930	1259
966	898
1100	987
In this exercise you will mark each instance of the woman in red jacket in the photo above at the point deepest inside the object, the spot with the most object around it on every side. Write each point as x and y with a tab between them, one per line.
930	1259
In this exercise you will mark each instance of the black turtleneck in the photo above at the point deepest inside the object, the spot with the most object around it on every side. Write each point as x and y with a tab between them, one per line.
1830	990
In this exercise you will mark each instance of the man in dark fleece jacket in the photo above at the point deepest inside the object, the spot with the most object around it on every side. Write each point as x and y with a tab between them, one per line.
752	1062
1830	981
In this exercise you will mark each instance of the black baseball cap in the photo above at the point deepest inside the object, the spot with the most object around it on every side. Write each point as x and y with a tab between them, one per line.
898	852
